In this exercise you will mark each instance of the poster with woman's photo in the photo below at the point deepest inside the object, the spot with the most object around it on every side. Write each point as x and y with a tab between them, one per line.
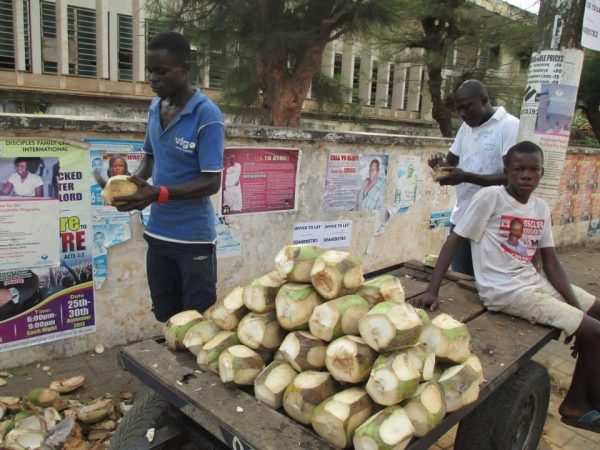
257	180
355	182
108	158
45	242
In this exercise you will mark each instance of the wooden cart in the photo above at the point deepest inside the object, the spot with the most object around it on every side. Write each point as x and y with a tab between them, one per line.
509	414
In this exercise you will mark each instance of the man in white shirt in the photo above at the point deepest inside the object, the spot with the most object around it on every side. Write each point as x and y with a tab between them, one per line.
475	157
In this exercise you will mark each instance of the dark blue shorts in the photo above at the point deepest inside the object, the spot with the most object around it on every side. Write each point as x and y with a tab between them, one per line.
180	276
463	260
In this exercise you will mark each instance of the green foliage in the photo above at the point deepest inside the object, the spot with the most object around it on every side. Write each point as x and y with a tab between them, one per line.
267	43
328	92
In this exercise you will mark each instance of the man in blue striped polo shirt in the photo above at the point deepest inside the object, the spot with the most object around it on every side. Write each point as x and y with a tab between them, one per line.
184	155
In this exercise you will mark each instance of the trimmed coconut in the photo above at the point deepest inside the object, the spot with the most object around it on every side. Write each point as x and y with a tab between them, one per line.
382	288
199	334
448	338
336	273
475	364
303	351
43	397
67	384
208	356
177	326
461	386
389	429
306	391
228	312
261	331
239	365
423	359
294	262
393	379
259	297
118	186
390	326
24	439
349	359
11	403
95	412
33	423
338	317
337	417
426	408
294	305
270	384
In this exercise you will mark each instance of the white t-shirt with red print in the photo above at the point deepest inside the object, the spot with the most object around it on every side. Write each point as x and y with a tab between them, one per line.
480	150
502	266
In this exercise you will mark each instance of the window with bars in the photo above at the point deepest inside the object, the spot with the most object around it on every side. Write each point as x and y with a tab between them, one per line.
390	89
356	80
7	39
48	25
152	29
337	64
125	46
489	57
374	74
466	56
216	69
82	31
405	91
421	85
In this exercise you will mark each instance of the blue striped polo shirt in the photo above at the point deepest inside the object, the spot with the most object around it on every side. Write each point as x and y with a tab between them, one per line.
190	145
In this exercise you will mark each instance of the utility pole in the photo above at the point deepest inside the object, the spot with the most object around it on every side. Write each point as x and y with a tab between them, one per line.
551	92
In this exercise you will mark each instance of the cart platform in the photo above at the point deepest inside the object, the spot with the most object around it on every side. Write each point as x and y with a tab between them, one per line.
503	343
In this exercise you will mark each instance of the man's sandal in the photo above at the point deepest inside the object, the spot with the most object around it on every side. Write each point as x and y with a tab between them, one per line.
589	421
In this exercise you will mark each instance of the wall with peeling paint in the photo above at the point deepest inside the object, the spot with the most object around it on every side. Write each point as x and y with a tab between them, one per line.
123	304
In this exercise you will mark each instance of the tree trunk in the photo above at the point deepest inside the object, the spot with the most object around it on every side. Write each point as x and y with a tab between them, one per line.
285	91
439	112
438	32
592	111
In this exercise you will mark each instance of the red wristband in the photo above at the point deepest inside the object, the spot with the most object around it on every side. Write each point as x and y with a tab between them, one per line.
163	194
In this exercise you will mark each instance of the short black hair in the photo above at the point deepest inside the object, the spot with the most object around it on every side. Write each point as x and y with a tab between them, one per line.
376	161
523	147
472	88
24	159
176	44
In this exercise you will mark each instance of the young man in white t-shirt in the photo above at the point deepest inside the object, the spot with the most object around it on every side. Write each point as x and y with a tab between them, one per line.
508	282
475	157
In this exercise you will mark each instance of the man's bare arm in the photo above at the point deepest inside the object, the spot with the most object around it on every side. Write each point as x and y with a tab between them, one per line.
429	299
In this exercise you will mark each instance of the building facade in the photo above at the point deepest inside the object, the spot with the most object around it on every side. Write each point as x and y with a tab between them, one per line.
86	57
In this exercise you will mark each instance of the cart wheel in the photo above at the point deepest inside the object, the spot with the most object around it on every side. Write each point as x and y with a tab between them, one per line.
513	417
144	414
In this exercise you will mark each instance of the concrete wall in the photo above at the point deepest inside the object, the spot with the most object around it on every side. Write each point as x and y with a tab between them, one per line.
123	305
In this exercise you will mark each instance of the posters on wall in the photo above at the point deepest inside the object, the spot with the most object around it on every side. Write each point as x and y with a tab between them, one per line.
257	180
326	234
355	182
228	244
407	180
45	286
547	111
27	190
590	33
109	157
578	196
439	219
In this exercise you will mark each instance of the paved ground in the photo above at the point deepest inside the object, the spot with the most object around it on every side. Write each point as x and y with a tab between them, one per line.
104	375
